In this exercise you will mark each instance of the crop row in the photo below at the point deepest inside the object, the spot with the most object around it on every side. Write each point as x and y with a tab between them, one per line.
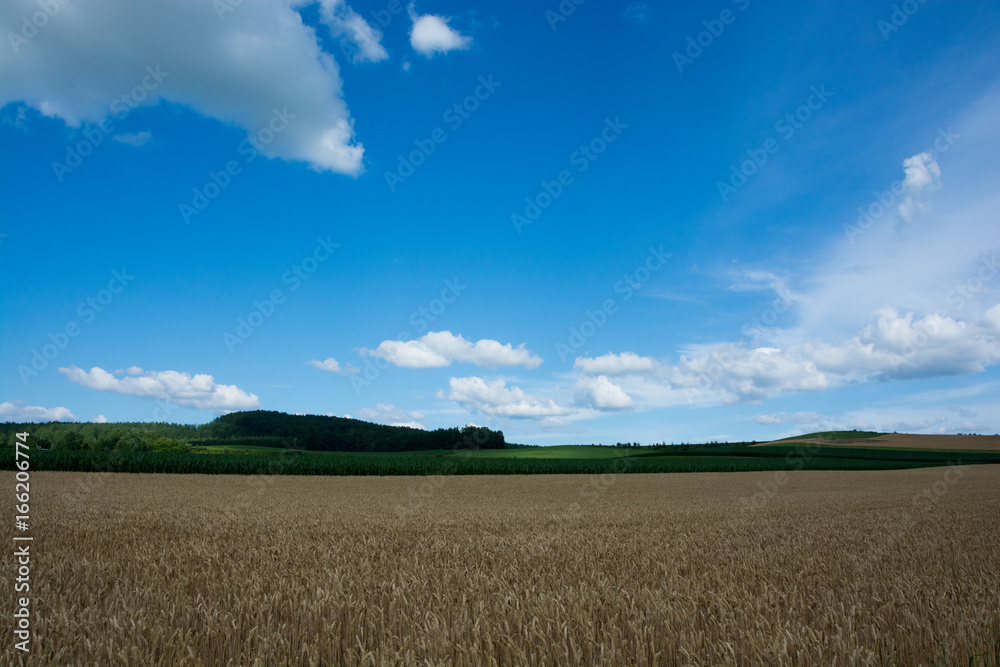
456	464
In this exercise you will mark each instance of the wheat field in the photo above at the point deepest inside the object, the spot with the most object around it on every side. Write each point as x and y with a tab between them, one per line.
803	568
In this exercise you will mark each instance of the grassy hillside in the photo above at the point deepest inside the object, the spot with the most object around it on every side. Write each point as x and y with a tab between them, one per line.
895	441
834	435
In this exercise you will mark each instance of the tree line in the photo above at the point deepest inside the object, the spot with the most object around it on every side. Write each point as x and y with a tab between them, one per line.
341	434
257	427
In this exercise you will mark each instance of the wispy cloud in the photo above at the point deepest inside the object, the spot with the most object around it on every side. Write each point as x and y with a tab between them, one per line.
922	174
331	365
136	139
615	364
387	413
346	24
639	12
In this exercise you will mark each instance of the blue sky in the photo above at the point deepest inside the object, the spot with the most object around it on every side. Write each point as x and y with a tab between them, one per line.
577	223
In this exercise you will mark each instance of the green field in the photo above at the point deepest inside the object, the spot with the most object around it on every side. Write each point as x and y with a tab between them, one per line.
585	459
554	452
253	459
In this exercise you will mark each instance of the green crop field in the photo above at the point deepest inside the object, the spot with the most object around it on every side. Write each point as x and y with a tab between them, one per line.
334	463
554	452
253	459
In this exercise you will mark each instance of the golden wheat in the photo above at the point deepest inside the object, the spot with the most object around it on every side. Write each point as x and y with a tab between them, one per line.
830	568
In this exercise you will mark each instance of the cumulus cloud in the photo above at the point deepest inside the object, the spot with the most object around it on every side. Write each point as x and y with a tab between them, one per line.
431	34
615	364
16	411
387	413
496	398
895	346
101	58
922	174
891	347
196	391
744	374
343	22
437	349
602	393
331	365
99	419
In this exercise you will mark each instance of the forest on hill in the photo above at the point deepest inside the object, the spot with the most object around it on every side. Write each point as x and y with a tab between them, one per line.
257	427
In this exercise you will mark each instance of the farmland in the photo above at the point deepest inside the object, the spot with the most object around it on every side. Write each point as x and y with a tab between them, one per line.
967	443
833	568
569	459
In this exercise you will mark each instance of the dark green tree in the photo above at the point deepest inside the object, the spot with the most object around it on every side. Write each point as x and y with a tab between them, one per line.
71	440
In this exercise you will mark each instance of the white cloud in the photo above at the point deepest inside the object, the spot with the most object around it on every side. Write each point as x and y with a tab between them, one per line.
238	68
770	419
344	22
795	418
808	418
922	173
137	139
16	411
744	374
896	346
387	413
762	281
495	398
410	424
615	364
437	349
99	419
196	391
890	347
431	34
915	265
602	393
333	366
